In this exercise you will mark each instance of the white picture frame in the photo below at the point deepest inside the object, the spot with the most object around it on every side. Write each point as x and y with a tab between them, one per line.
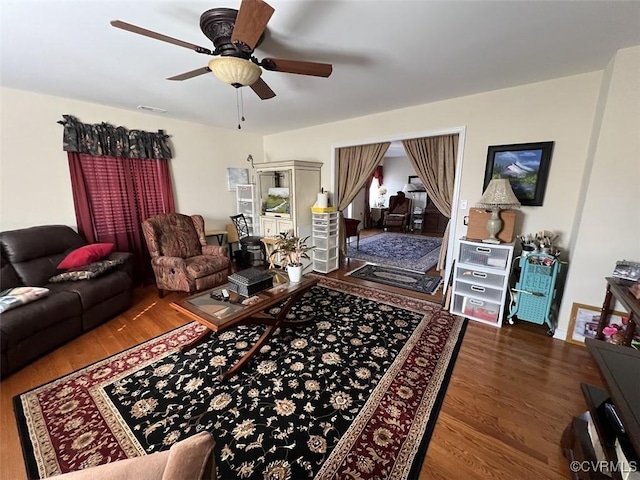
236	176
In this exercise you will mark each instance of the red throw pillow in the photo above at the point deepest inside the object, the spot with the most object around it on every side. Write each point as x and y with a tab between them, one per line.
85	255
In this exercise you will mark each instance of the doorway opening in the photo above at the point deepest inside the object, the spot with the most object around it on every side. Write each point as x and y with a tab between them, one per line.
355	212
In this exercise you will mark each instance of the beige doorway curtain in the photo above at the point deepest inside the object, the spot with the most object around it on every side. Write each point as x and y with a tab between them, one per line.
355	166
434	160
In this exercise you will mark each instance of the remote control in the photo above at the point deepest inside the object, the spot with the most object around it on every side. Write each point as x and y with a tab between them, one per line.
225	295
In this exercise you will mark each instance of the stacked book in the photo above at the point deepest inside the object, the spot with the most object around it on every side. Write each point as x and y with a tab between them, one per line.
250	281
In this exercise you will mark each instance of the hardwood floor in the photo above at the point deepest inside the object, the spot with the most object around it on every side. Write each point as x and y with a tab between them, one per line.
512	392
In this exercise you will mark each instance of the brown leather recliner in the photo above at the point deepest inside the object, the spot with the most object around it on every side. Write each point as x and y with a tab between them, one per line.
180	257
29	257
399	212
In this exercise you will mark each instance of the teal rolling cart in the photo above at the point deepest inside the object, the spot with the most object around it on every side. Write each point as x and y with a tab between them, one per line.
535	291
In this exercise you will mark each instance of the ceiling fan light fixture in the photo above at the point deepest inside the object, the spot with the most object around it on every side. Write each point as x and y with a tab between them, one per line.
235	71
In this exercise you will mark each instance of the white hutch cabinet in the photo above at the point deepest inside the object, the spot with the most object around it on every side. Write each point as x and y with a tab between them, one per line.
287	190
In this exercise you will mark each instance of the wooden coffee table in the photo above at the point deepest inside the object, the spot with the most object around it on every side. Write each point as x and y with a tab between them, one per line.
218	315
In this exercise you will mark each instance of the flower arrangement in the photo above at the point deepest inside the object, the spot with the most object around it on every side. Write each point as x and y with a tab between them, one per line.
291	249
382	191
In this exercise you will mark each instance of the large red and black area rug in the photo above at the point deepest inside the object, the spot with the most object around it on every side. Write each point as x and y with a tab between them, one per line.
353	394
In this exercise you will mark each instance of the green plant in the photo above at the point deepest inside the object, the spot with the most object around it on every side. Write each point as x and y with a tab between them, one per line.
291	249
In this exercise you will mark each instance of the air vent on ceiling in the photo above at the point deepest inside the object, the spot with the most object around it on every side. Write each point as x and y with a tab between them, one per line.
151	109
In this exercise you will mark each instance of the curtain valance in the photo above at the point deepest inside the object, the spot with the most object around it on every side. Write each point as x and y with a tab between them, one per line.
102	139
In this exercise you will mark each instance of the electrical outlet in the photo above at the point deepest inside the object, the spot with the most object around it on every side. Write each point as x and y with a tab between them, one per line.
463	204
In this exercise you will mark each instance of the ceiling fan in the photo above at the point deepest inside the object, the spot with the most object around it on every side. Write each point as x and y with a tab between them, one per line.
235	35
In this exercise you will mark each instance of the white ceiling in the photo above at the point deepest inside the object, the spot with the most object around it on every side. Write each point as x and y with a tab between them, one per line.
386	54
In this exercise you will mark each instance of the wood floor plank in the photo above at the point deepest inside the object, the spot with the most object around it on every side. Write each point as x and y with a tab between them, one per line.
512	392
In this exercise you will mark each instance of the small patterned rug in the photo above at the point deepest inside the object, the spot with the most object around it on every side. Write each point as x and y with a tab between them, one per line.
353	394
401	250
418	282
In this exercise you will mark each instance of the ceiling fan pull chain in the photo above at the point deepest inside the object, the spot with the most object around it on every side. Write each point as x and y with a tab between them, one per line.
241	104
238	108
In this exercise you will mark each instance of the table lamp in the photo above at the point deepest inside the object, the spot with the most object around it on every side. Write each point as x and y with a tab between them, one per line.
498	196
410	188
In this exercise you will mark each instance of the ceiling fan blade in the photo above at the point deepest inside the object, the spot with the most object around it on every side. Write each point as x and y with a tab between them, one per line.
191	74
300	68
158	36
251	21
262	89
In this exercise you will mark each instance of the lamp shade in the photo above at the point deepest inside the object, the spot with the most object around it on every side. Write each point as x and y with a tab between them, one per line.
410	187
235	71
499	195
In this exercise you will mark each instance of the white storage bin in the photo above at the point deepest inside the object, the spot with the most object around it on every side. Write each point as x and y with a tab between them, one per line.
325	229
320	254
487	311
484	255
320	265
479	291
471	275
246	208
475	309
245	192
325	242
325	217
481	281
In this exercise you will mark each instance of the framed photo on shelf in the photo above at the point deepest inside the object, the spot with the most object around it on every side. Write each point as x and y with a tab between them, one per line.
236	176
584	322
525	165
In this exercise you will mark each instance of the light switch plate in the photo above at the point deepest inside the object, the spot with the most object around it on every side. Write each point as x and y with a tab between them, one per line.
463	204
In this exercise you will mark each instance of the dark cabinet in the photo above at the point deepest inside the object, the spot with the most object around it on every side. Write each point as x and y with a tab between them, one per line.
433	221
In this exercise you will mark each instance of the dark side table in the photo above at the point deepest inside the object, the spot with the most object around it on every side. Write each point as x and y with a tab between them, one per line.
618	288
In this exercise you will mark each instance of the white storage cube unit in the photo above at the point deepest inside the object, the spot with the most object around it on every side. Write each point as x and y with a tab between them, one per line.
325	239
481	281
248	204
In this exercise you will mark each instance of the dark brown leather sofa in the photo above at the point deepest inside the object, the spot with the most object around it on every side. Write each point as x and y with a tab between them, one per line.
29	257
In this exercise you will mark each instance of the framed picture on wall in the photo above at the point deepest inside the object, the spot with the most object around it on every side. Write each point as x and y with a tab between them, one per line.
236	176
415	180
526	165
584	323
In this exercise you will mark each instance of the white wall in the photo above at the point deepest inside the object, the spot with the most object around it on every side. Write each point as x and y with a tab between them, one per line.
562	110
396	172
608	222
34	174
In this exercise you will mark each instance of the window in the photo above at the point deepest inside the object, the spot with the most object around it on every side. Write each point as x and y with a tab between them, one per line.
113	196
